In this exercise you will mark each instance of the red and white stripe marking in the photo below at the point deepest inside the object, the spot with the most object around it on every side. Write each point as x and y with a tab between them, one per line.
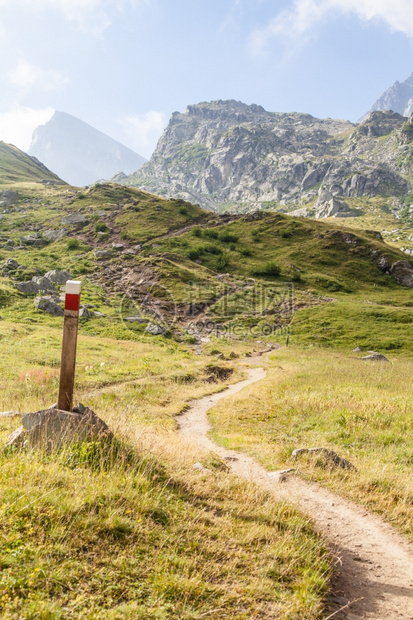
72	297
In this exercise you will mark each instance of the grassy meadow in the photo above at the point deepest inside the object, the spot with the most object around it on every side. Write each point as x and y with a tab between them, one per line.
317	398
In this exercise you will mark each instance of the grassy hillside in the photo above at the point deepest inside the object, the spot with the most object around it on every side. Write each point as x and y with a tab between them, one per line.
175	263
16	166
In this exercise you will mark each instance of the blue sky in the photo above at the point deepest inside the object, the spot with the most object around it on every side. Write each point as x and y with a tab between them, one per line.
125	65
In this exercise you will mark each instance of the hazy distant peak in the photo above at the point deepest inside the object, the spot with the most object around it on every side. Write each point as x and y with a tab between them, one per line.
78	152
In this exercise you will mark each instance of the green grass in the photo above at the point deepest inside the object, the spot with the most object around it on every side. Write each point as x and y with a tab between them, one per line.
133	541
382	322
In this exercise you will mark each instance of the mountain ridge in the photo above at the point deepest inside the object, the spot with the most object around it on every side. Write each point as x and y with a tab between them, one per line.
15	165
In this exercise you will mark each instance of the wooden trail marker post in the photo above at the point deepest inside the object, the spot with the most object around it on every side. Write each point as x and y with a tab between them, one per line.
68	362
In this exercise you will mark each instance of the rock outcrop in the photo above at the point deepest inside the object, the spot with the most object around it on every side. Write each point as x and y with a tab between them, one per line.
49	304
402	272
43	284
332	207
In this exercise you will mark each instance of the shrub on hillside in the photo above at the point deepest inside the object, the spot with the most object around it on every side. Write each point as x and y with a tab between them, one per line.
211	233
73	244
269	268
197	231
222	262
228	237
212	249
194	253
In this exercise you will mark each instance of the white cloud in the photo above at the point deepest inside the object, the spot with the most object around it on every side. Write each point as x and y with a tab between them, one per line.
142	131
295	24
25	75
92	16
18	124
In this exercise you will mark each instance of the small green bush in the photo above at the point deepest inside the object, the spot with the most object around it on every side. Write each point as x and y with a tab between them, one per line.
73	244
197	231
101	227
246	252
183	210
212	249
228	237
193	253
211	233
215	352
268	269
222	262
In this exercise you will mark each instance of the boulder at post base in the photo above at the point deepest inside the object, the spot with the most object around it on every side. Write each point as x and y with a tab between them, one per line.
53	428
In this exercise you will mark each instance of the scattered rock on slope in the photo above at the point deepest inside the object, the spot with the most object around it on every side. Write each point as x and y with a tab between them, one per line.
74	218
375	357
49	305
155	330
54	235
329	455
402	272
58	277
8	198
10	265
44	283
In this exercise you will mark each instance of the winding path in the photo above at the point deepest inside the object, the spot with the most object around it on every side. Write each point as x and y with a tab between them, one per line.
375	564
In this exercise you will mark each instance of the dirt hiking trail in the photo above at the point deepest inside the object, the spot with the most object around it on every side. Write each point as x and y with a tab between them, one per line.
374	571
